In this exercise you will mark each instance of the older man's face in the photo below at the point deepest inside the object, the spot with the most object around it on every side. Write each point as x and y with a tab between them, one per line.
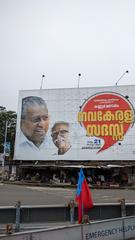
60	135
36	124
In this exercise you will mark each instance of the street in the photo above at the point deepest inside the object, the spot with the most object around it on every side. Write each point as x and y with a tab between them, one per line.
33	195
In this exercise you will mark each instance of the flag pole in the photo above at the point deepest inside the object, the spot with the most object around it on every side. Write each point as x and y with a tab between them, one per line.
82	210
82	204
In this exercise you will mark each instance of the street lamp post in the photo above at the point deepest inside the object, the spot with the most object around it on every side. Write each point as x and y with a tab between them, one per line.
79	76
121	77
4	151
42	81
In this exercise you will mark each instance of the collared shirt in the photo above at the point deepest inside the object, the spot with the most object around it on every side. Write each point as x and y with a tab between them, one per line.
27	150
69	155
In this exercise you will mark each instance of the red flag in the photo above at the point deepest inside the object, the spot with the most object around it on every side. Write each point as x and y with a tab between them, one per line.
83	196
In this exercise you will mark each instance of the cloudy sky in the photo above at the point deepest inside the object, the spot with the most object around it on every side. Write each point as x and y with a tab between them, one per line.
61	38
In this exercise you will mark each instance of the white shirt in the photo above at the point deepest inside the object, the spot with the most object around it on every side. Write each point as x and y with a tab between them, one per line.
71	154
27	150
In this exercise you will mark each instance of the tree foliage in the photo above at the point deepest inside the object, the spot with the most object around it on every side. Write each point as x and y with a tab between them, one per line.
7	118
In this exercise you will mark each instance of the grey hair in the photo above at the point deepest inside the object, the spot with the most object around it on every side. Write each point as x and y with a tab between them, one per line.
31	101
58	123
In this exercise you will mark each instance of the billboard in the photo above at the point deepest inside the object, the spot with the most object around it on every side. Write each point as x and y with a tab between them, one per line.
76	124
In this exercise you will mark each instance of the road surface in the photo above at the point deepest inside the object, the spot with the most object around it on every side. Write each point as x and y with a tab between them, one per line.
33	195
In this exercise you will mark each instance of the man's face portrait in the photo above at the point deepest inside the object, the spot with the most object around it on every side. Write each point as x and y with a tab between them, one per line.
35	124
60	136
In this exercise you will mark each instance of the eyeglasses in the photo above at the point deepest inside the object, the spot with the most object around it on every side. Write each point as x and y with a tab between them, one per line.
60	132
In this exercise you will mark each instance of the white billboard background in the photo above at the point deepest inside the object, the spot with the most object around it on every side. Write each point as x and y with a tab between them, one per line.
64	105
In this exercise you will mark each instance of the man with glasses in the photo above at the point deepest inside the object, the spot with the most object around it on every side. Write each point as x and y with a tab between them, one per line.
34	126
60	137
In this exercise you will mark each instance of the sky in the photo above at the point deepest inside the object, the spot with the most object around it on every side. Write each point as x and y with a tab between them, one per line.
61	38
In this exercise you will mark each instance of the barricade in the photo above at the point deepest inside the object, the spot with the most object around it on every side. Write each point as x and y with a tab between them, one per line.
113	229
59	213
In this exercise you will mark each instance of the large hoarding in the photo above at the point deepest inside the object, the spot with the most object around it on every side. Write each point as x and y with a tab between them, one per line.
76	124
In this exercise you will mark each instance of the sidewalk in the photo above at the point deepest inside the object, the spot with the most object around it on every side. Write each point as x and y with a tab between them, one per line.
66	185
